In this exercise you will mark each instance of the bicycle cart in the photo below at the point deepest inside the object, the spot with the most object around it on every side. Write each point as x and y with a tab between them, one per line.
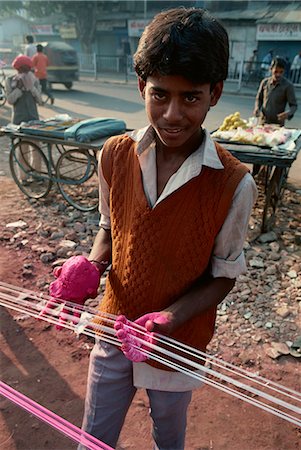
37	161
277	163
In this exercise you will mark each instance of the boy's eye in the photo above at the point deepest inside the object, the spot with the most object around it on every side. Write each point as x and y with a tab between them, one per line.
158	96
190	98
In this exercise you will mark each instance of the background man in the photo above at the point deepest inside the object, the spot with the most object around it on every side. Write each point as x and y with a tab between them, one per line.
40	63
274	93
30	48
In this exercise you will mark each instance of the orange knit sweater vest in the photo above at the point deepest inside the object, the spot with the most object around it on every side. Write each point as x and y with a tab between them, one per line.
157	254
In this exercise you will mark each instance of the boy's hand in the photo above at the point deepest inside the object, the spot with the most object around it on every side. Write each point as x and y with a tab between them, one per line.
77	280
156	322
135	341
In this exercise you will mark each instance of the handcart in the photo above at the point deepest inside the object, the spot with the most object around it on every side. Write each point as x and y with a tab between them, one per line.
39	160
277	163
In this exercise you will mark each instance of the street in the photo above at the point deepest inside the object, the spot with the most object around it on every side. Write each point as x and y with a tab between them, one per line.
90	98
257	323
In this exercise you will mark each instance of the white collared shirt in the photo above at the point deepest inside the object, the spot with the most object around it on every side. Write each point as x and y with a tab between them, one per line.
227	259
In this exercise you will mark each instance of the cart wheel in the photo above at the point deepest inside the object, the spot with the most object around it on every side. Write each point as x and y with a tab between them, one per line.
30	170
2	95
76	172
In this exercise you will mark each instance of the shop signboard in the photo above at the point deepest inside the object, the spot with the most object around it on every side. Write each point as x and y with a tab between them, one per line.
279	32
42	29
136	27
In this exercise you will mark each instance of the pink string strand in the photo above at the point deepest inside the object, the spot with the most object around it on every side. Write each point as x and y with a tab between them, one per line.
52	419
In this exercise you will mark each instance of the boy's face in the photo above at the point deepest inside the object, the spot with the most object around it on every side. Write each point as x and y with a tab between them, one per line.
176	108
277	73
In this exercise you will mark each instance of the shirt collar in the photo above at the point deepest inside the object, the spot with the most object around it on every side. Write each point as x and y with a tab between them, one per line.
205	155
282	80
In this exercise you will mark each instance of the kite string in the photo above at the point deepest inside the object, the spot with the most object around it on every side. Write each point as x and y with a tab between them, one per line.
209	370
184	348
52	419
214	373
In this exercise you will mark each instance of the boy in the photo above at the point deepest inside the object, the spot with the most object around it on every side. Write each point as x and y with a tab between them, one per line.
40	63
174	213
23	91
274	93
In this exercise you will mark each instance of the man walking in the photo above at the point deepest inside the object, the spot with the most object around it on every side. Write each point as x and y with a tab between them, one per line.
40	63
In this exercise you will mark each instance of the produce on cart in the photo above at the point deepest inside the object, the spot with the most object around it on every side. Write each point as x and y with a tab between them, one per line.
236	129
269	146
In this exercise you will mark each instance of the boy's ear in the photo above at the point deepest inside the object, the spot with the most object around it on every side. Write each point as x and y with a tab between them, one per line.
141	87
216	93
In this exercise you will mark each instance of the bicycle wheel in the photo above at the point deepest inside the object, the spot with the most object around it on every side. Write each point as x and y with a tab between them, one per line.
76	172
30	169
45	98
2	95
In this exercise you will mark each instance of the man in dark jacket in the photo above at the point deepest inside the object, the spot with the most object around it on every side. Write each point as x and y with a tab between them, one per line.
274	94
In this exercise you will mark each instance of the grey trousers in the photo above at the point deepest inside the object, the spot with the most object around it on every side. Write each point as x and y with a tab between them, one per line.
110	392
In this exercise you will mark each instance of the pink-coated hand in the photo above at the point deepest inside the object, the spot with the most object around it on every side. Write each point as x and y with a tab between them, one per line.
136	342
76	281
150	320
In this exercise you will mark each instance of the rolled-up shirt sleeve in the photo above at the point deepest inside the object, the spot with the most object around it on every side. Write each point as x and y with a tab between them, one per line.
228	258
12	94
104	197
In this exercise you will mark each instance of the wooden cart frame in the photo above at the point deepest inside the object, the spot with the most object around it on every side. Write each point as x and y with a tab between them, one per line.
277	164
72	166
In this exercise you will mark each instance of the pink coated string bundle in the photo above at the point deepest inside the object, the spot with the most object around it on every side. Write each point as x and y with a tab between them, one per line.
55	421
245	385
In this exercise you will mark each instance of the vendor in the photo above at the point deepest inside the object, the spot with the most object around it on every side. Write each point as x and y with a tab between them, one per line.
274	93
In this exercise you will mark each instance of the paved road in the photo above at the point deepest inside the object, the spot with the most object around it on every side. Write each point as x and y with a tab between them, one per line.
91	98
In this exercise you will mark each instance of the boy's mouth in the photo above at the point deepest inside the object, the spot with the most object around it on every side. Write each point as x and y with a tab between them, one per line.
172	130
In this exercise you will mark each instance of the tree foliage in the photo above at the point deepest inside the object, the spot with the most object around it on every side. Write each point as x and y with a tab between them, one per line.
10	6
82	13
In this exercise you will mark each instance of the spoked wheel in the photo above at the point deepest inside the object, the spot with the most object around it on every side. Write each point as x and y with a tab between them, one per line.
76	172
2	95
30	170
45	98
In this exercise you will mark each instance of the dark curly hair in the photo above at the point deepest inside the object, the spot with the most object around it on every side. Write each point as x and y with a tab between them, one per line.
184	41
278	61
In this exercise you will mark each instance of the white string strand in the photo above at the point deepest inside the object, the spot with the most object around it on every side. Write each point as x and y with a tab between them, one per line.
218	363
108	336
163	338
214	373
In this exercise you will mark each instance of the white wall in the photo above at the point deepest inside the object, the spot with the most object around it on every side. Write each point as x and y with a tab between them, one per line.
242	41
12	32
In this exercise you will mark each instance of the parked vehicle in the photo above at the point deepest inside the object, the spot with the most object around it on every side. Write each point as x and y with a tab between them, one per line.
63	63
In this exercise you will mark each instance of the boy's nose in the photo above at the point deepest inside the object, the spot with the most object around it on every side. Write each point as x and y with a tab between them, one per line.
173	111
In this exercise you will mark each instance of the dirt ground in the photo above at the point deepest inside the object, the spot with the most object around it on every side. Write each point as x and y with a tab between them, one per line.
50	367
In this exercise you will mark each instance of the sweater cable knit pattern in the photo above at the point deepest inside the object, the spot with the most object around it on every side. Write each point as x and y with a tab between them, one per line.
154	258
